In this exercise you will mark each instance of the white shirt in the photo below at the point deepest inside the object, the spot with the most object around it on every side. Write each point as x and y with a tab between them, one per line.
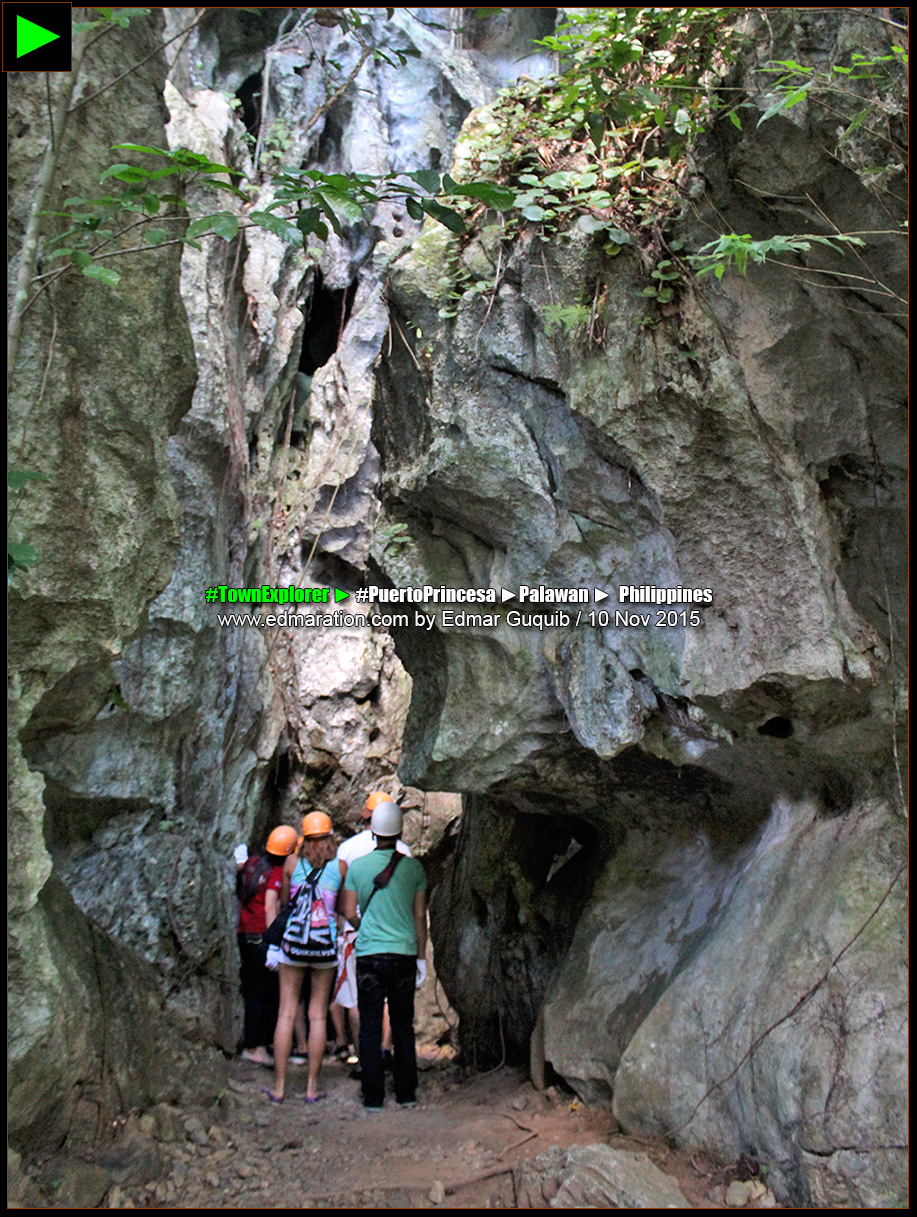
364	843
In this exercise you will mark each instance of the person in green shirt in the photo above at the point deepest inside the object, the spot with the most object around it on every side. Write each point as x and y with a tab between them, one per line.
391	949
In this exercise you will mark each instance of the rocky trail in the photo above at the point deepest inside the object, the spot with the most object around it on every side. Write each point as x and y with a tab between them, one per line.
474	1141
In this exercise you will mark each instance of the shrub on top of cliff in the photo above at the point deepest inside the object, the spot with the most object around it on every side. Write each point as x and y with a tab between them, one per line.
649	68
604	144
601	145
608	134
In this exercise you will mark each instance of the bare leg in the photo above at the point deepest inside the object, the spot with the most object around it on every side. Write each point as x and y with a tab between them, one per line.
299	1029
355	1027
290	988
337	1019
322	983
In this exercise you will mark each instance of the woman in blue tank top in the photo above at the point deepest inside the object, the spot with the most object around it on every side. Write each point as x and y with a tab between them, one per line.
317	851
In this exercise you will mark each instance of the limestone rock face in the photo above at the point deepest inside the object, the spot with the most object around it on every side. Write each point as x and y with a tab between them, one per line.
734	785
677	838
820	1098
91	408
147	740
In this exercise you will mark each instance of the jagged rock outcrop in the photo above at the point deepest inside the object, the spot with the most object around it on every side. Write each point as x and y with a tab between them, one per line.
736	784
145	739
676	837
596	1176
105	527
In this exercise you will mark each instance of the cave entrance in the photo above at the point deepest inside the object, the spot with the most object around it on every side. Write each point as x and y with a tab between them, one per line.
518	895
249	94
327	312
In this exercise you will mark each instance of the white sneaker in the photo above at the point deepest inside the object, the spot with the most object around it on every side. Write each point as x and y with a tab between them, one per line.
254	1057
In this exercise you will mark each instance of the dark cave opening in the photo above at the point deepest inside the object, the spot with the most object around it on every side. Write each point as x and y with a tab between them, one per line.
273	794
249	94
331	569
533	877
327	312
778	727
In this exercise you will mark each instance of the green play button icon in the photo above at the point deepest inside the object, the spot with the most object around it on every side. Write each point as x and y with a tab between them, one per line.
29	36
339	595
37	37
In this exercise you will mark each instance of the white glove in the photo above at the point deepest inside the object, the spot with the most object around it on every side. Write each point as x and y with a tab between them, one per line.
421	972
240	853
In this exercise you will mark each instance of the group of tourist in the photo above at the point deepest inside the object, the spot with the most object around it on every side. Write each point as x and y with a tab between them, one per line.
368	899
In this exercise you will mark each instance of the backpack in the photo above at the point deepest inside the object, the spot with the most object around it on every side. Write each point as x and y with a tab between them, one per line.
308	937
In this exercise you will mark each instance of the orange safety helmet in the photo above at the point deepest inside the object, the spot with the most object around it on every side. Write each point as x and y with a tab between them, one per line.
374	800
317	824
282	841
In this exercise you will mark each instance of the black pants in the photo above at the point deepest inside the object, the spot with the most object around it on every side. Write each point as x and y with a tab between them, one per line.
390	978
260	993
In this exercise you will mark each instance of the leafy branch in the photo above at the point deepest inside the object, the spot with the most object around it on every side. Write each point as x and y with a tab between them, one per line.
735	251
20	555
306	202
796	81
316	203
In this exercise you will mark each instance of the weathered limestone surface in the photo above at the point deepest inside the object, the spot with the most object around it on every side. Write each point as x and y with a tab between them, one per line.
671	833
821	1100
91	408
146	741
596	1176
736	785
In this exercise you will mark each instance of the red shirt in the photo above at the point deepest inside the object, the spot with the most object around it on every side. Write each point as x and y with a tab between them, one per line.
251	915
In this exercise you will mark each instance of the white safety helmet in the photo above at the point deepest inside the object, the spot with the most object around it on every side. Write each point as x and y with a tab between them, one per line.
387	820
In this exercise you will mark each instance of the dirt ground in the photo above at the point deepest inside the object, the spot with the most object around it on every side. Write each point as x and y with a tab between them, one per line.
456	1149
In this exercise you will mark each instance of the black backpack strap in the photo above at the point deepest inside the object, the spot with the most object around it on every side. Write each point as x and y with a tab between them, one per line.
381	880
309	885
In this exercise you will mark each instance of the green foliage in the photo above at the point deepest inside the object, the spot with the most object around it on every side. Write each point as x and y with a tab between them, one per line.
573	318
149	204
795	81
862	101
113	16
628	67
559	197
316	203
395	533
137	195
738	251
627	73
600	146
18	479
665	274
388	541
20	555
331	200
277	144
